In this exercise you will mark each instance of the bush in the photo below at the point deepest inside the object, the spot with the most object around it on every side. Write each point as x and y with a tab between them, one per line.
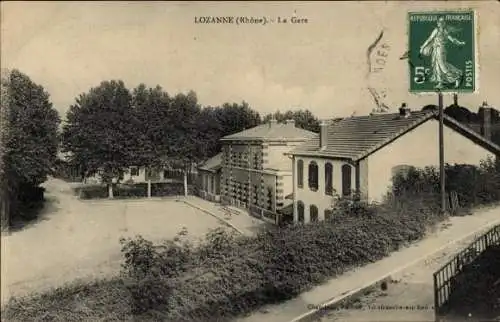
137	190
474	185
92	192
165	189
26	202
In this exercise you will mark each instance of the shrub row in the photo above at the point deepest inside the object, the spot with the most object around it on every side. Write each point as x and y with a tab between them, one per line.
475	186
228	276
137	190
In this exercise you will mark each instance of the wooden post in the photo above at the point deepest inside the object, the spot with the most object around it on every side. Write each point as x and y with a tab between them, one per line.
436	298
441	153
149	188
110	190
185	183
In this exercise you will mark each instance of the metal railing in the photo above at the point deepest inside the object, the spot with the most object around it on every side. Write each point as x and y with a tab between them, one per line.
444	277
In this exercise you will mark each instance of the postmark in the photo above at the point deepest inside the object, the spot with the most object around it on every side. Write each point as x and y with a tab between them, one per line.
377	56
442	51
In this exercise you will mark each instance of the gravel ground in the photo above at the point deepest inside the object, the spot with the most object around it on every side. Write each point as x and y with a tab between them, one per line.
80	239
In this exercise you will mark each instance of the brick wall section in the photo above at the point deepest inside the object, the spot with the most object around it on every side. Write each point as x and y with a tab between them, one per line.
279	192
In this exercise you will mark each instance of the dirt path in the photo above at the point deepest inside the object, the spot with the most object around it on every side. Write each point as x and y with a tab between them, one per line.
409	297
80	239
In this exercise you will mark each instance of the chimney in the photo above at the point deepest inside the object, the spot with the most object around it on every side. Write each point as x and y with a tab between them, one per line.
290	122
485	119
455	99
404	111
272	122
323	135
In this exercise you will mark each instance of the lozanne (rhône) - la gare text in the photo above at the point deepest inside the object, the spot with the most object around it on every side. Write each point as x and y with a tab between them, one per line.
238	20
214	20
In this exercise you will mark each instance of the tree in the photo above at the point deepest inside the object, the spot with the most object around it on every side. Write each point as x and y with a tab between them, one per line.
430	107
304	119
101	131
217	122
234	117
152	111
30	139
461	114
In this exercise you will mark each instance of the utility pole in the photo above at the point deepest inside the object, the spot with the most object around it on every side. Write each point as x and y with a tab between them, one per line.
441	153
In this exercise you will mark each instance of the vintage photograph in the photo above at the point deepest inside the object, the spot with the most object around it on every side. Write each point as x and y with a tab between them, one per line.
250	161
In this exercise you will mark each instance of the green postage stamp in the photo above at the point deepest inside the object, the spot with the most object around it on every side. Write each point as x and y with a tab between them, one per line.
442	51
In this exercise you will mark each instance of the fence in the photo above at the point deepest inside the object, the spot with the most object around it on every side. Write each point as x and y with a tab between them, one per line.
179	175
444	277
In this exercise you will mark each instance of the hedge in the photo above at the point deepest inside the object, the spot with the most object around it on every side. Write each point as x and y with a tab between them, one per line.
228	276
475	186
136	190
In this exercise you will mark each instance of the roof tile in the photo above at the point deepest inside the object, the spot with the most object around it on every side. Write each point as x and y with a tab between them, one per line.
272	131
356	137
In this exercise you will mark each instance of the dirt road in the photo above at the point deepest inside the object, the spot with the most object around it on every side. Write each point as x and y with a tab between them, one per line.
80	239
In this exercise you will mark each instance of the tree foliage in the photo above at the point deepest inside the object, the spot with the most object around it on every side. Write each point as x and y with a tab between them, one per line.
100	132
31	140
217	122
111	128
303	119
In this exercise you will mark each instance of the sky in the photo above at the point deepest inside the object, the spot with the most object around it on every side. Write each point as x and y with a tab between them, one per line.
321	65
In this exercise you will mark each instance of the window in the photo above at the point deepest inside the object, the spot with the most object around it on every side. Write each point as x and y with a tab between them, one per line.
213	184
346	180
270	198
313	176
300	211
300	173
134	171
328	214
313	213
328	179
256	195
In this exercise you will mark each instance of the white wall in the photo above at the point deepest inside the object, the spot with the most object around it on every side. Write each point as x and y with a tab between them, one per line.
276	156
419	148
287	183
318	198
140	178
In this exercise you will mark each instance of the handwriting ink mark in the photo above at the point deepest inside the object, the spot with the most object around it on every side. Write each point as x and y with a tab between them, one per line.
370	49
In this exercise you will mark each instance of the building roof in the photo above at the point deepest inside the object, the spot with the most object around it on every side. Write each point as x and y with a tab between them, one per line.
273	131
213	164
355	138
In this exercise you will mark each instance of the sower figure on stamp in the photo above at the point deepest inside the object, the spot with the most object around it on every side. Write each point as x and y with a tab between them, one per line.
435	46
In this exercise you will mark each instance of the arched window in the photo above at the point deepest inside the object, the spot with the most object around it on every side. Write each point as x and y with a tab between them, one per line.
313	176
300	173
328	179
328	214
313	213
346	180
300	211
